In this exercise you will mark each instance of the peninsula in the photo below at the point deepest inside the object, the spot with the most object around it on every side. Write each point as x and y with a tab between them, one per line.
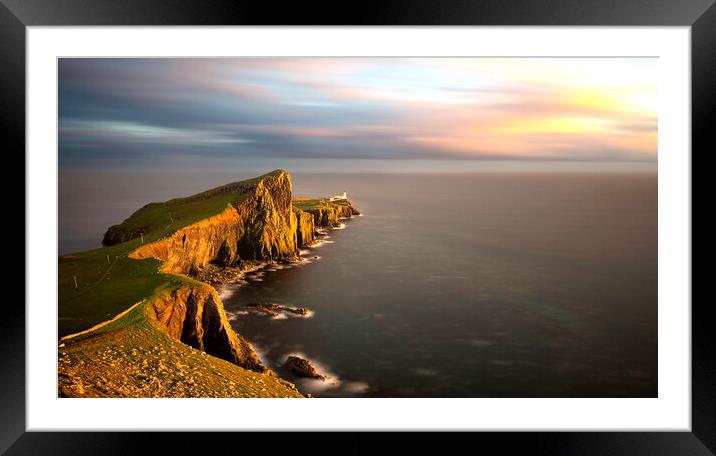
138	318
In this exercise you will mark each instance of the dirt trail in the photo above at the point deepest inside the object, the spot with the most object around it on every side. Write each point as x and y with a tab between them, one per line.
99	325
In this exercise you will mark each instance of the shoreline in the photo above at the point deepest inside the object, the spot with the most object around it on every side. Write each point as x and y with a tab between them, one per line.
237	278
330	380
234	276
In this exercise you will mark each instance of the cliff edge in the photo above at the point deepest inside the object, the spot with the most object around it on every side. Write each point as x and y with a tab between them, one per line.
157	251
260	225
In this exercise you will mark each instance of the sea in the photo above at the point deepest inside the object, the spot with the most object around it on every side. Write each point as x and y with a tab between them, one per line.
447	285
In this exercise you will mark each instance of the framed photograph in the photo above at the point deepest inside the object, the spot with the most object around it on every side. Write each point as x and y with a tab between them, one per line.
435	216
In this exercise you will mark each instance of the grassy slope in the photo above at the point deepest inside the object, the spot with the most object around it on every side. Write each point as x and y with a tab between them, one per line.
107	287
134	357
308	203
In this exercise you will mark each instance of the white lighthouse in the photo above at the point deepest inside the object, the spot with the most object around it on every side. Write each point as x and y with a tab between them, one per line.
342	197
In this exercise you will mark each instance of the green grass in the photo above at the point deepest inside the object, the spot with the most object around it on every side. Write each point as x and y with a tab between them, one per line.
106	287
310	203
104	290
313	204
158	220
134	357
136	320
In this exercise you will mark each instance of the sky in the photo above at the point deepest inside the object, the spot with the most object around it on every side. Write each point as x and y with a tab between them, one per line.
359	114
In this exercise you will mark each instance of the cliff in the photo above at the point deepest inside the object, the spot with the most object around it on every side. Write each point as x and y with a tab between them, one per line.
260	226
194	315
305	228
326	214
252	220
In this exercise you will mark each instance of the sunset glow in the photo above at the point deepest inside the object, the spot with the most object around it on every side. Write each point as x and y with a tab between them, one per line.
114	111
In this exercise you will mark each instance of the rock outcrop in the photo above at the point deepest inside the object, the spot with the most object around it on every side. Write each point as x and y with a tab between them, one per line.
305	228
195	315
263	226
331	214
273	310
303	368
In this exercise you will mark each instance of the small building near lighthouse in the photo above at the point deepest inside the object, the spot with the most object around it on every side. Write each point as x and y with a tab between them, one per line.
342	197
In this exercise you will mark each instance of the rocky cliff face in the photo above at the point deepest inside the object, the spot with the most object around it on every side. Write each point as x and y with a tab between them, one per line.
261	227
305	228
331	214
194	315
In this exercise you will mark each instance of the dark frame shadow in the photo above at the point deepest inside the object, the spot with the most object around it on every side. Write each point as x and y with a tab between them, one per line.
700	15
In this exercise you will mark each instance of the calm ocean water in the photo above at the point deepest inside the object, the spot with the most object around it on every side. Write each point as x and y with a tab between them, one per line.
449	286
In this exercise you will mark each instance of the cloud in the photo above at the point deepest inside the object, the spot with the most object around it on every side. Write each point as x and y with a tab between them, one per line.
358	108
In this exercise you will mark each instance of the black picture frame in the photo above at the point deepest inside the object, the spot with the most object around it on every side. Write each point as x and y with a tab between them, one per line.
700	15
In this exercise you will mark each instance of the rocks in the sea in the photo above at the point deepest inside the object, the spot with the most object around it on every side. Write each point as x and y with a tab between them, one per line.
303	368
274	309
